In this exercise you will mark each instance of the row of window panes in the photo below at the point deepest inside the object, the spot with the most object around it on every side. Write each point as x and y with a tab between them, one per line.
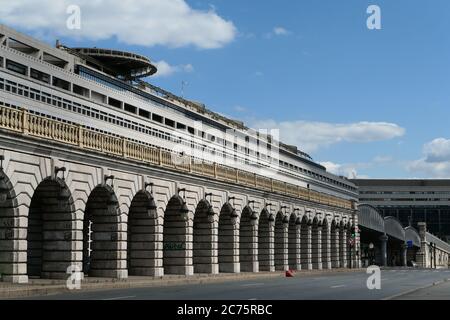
46	98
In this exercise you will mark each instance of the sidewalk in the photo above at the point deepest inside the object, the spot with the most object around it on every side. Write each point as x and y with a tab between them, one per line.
41	287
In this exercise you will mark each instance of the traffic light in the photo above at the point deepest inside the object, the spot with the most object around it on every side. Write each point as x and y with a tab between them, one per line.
354	232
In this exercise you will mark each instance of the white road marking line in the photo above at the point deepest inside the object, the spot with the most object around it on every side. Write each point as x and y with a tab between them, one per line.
339	286
120	298
252	284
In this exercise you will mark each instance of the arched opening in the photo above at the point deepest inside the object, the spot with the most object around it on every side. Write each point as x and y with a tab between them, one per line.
265	242
280	243
316	244
144	240
50	231
228	244
248	241
326	245
178	234
335	262
305	244
294	243
205	239
104	248
13	246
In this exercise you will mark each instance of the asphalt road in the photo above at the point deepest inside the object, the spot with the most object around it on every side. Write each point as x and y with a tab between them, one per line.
438	292
330	286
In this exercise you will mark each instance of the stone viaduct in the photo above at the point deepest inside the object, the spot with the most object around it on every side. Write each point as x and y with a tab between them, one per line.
114	208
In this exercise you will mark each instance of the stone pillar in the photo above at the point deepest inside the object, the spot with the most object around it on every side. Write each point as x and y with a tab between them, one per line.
298	248
326	248
306	247
343	247
294	247
384	239
404	251
281	247
317	247
13	246
423	253
335	260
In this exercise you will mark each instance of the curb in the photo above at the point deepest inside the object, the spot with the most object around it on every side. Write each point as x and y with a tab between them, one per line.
111	284
437	283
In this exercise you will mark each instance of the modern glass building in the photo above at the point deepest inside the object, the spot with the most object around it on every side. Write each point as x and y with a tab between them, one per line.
411	201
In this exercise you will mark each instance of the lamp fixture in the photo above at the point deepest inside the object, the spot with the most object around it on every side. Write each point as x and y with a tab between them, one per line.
210	210
107	178
58	170
149	184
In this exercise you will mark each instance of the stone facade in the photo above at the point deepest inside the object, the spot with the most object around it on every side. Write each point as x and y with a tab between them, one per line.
97	215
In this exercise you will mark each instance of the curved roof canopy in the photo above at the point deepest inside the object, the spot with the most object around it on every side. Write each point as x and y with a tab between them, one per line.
394	228
370	218
411	234
125	64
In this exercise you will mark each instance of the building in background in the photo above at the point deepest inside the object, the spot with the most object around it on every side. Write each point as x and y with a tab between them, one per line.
411	202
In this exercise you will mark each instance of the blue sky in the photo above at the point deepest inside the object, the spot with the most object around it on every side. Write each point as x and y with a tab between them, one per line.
366	102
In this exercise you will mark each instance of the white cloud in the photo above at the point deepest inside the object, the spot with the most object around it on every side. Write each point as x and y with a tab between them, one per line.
346	170
310	136
280	31
240	109
277	31
166	70
436	160
171	23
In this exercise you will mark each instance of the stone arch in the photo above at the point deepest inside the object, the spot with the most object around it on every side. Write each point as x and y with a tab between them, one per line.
294	242
144	237
248	241
316	240
228	240
326	244
104	235
305	243
51	231
280	242
205	239
334	248
12	234
266	241
178	234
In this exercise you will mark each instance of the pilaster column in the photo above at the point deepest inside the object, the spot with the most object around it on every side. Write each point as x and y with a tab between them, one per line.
343	248
326	248
317	248
306	256
335	257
